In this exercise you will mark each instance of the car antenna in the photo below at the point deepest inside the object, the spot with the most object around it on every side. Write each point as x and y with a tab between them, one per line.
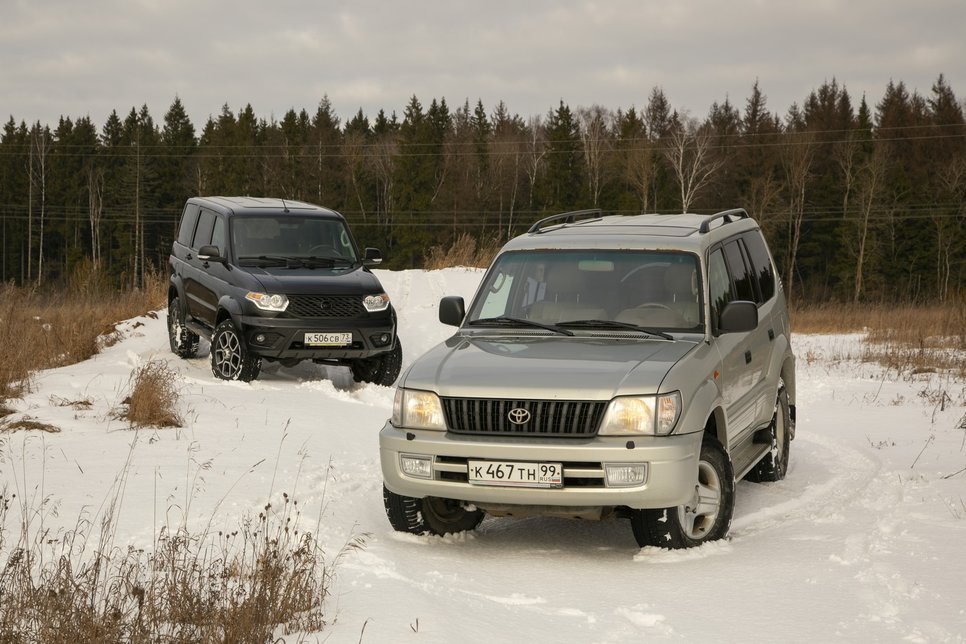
284	206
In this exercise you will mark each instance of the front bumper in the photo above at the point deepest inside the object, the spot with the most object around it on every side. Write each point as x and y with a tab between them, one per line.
284	337
672	466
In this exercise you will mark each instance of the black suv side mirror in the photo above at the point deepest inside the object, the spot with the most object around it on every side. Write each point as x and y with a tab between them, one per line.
739	316
372	257
210	254
452	310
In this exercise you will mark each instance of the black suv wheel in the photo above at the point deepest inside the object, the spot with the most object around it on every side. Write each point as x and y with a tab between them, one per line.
230	357
183	342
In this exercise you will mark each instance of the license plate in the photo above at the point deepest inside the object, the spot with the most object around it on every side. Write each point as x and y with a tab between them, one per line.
327	339
515	474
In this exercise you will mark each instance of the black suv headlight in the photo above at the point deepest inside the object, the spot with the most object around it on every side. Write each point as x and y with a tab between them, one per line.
268	302
376	303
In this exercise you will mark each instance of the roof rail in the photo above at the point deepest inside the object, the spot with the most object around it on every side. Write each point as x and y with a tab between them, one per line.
565	218
737	213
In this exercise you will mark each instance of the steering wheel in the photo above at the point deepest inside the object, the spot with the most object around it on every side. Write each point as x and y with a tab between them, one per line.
655	305
323	250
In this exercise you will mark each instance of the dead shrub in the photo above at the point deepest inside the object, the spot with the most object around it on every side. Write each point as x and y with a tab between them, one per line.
153	401
909	338
266	578
46	329
29	424
464	251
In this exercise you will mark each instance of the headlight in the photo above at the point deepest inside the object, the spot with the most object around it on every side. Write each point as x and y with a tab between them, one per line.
374	303
266	302
651	415
417	410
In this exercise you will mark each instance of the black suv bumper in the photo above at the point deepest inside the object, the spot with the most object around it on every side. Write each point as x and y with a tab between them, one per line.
284	338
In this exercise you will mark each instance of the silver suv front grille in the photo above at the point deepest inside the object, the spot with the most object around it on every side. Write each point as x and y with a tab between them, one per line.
551	418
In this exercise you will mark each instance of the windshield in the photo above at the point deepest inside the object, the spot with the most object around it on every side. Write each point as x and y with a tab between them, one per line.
291	236
609	289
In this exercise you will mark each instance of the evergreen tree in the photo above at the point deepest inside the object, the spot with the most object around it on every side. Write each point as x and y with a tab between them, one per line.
564	179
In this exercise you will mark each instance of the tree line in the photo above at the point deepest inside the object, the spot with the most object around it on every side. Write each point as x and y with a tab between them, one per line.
859	203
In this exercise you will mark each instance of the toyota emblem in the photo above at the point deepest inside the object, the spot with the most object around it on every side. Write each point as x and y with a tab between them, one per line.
518	416
325	305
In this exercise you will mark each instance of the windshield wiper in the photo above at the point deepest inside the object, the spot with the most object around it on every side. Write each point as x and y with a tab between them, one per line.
613	324
325	261
266	260
504	320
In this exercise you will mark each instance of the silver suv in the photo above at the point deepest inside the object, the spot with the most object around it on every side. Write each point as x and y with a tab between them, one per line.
608	366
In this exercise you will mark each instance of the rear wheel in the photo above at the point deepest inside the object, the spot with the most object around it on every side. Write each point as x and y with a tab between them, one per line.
230	358
705	517
775	463
379	370
183	342
433	515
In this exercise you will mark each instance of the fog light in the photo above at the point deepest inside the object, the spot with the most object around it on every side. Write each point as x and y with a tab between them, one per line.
381	339
417	465
260	338
625	474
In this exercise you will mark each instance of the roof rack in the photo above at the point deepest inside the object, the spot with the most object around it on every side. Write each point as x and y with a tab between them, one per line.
565	218
737	213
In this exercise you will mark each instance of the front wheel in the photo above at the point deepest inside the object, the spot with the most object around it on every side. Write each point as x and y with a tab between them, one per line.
379	370
230	358
705	517
430	515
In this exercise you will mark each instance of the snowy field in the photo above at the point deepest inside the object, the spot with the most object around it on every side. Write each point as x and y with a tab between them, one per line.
864	540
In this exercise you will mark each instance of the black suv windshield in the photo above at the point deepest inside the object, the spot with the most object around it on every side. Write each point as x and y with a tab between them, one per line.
594	289
317	240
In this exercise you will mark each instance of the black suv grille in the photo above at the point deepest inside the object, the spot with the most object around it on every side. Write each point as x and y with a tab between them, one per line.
569	418
324	306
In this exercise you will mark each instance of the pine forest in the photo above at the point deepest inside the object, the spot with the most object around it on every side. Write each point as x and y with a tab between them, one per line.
862	200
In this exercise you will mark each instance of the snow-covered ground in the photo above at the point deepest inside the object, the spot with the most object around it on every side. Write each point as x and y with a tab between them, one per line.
863	541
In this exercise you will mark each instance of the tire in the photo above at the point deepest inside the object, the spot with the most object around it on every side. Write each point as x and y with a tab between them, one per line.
774	465
183	342
230	358
430	515
379	370
714	503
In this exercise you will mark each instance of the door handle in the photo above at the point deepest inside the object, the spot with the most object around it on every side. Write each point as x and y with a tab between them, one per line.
771	334
747	357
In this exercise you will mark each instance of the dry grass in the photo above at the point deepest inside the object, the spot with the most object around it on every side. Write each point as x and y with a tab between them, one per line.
265	579
153	401
44	330
909	338
464	251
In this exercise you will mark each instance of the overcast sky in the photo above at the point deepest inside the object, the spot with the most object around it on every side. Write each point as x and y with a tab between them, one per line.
87	57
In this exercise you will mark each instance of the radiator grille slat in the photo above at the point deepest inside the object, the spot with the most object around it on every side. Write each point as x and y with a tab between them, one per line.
553	418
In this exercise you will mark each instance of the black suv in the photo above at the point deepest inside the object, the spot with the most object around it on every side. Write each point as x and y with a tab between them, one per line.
277	280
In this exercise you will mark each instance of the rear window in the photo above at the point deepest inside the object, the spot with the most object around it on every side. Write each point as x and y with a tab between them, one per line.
189	219
761	264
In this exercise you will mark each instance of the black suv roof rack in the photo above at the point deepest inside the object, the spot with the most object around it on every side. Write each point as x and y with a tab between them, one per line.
737	213
565	218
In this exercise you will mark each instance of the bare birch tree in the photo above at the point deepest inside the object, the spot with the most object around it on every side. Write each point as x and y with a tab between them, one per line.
868	192
593	134
95	208
796	158
536	151
690	152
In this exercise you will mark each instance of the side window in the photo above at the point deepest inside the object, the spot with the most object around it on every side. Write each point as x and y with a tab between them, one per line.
188	220
761	264
218	236
719	284
203	232
740	273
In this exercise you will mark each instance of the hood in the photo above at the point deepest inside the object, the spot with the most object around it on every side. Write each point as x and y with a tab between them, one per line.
564	368
314	281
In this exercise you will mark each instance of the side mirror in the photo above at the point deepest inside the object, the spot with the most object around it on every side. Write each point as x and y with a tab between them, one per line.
210	254
739	316
372	257
452	310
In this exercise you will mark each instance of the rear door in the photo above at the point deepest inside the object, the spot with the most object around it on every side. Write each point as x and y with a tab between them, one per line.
204	282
